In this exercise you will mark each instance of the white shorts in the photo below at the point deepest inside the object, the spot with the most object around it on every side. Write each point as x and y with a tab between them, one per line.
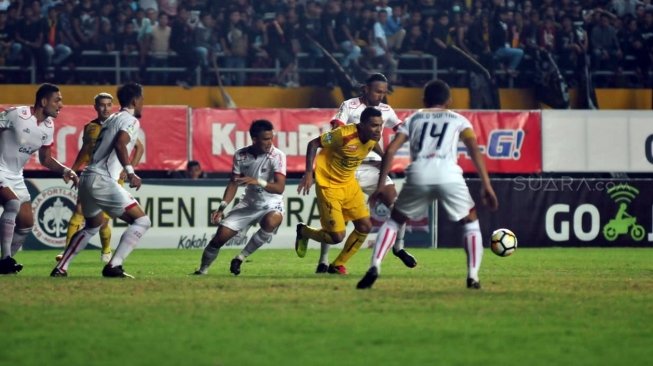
17	184
99	193
245	214
368	178
413	200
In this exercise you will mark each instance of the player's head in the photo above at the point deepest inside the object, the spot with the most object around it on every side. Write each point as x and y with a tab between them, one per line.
48	98
130	96
194	169
103	105
262	131
436	94
370	125
375	89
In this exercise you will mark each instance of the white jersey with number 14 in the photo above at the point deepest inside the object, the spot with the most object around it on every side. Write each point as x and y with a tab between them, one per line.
433	135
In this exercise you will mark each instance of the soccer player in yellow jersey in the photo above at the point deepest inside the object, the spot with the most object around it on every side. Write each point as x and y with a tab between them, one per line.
339	196
103	106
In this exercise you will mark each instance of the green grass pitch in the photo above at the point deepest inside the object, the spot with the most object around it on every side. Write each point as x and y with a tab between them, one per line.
537	307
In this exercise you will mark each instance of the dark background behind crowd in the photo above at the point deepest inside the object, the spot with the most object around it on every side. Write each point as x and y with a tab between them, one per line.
614	37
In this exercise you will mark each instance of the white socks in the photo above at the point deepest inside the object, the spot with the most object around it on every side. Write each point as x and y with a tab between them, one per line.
473	242
7	226
256	241
19	239
209	255
130	239
77	244
399	244
384	240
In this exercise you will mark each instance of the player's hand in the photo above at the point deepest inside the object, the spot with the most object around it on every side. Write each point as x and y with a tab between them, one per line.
216	216
123	176
242	181
489	198
305	184
134	181
374	198
69	175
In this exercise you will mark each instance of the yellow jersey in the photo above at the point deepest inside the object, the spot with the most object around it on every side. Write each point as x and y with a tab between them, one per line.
342	153
91	133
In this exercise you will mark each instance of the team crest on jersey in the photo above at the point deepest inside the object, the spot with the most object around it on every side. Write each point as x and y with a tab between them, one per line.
328	138
52	210
24	113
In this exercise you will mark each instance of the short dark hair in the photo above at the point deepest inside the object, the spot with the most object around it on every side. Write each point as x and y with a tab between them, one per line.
258	126
368	113
128	92
102	96
192	163
375	77
436	92
45	90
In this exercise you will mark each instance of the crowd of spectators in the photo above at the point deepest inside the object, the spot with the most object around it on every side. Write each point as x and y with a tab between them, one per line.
609	35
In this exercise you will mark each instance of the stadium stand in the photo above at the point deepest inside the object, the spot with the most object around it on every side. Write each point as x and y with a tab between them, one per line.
167	42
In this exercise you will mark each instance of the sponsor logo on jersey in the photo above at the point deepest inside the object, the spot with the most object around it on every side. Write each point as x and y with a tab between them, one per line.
52	210
26	130
352	147
26	150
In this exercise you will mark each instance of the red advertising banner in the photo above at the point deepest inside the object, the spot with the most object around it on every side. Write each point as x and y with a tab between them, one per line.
164	132
510	141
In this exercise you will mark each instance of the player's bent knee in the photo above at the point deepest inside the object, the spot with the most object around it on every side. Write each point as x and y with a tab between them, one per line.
337	237
271	221
363	226
143	221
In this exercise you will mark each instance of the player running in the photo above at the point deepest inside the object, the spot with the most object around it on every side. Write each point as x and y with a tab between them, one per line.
367	175
339	196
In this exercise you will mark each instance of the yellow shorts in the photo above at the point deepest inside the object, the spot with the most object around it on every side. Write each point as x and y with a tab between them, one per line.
339	205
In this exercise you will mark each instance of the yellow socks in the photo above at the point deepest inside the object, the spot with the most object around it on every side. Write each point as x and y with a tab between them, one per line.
353	243
75	223
105	239
317	234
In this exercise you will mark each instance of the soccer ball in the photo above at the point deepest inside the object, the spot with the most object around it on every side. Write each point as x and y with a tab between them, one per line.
504	242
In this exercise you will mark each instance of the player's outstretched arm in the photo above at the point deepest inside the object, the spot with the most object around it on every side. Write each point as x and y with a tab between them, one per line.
46	159
307	180
487	192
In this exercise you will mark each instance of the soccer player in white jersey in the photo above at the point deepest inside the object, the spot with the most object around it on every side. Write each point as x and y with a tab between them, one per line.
260	167
99	189
367	175
24	131
433	134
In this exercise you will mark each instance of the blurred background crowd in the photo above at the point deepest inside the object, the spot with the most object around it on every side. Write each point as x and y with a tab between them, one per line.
175	41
